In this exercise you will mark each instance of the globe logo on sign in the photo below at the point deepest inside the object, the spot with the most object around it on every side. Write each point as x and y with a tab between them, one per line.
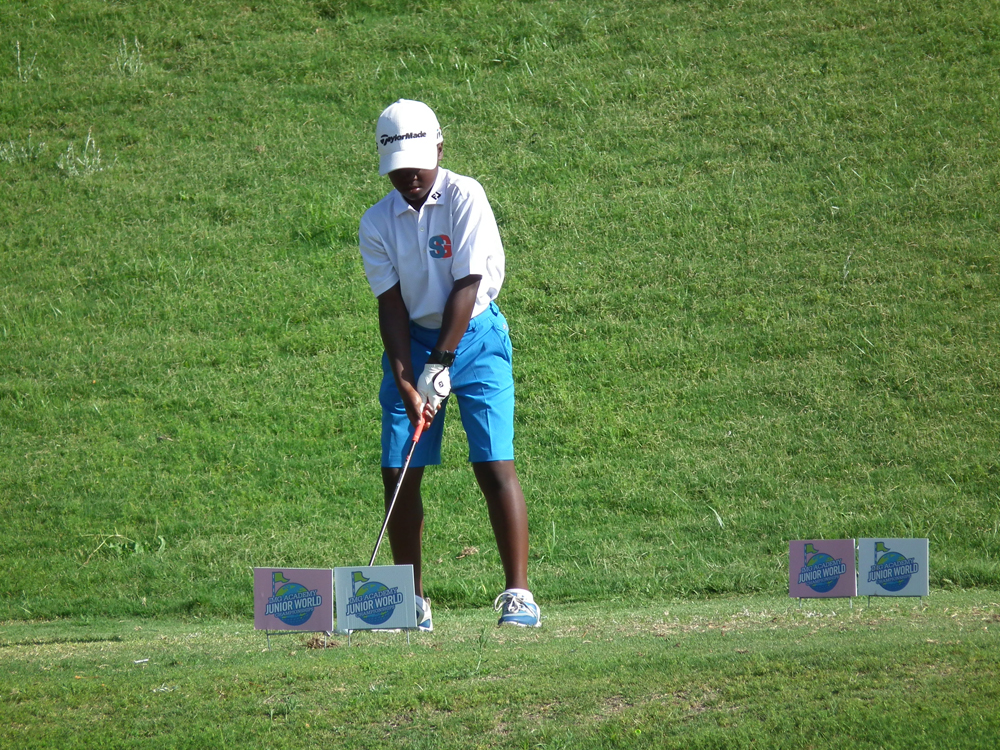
291	602
372	602
892	570
821	571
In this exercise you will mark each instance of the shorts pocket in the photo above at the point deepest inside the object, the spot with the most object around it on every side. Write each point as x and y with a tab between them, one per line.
502	343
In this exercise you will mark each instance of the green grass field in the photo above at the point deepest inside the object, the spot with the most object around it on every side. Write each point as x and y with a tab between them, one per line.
745	672
752	284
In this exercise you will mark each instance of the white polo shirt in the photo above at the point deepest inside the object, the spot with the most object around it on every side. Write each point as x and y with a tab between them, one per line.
454	235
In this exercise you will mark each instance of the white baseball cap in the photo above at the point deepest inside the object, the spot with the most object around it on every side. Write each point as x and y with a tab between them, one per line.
407	136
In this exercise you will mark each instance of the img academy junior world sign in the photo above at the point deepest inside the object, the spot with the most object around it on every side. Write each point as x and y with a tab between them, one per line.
820	571
372	601
893	567
821	568
293	599
375	597
892	571
291	602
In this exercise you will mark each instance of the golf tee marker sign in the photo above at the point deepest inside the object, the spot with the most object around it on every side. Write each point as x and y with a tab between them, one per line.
893	567
293	599
822	568
375	598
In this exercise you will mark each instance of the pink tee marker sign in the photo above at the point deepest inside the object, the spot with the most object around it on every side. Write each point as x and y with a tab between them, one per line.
293	599
822	568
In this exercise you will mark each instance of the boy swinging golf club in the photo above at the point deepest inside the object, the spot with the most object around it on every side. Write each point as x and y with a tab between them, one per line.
434	260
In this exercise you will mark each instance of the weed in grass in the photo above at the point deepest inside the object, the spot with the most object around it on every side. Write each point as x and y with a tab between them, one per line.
88	162
119	545
18	153
25	68
128	59
481	642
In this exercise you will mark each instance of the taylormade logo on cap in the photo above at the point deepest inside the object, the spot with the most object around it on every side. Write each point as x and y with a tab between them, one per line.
387	139
407	136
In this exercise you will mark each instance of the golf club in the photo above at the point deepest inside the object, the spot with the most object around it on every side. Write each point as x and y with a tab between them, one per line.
399	483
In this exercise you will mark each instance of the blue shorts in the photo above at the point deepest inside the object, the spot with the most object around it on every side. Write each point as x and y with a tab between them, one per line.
482	379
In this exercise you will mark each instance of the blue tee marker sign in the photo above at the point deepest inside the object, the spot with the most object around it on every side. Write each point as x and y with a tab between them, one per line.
893	567
375	598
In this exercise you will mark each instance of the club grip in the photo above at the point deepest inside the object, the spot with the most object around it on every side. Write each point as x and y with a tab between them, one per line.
419	430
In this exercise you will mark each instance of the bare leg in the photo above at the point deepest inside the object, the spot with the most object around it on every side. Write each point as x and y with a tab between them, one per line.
406	525
508	516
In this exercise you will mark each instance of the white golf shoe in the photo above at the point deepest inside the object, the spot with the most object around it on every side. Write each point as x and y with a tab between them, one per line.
517	607
424	615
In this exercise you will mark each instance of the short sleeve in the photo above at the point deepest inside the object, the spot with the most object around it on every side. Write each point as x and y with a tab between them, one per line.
476	240
382	275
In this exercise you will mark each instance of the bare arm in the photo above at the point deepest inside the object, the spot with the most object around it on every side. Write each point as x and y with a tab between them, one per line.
394	326
458	312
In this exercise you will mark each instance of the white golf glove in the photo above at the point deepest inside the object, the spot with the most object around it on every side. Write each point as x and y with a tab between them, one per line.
434	385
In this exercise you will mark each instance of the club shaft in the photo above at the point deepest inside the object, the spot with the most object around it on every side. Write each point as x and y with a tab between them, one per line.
399	483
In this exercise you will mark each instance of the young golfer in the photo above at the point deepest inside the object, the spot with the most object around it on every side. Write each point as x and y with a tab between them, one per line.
434	260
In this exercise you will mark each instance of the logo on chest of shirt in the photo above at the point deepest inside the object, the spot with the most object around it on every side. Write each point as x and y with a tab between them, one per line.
440	246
